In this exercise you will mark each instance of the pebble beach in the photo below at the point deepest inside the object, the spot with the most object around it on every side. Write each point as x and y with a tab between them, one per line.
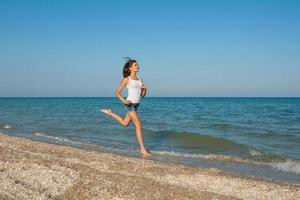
37	170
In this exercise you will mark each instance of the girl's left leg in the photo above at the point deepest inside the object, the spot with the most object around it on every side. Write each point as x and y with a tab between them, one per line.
125	122
138	125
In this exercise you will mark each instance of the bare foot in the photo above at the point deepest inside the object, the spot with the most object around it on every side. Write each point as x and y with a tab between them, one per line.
148	151
145	153
106	111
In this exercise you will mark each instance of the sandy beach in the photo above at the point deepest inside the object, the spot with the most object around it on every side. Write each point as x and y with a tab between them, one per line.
37	170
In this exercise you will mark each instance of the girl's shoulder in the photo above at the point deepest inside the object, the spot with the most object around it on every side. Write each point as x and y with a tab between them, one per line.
125	80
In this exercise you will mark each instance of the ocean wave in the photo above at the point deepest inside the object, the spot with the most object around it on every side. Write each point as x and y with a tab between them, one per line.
203	142
208	144
253	152
291	166
6	126
218	157
61	139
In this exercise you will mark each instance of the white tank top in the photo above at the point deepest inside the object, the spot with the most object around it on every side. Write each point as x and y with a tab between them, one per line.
134	90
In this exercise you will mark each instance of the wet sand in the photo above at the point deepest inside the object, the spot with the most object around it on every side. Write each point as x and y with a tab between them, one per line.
38	170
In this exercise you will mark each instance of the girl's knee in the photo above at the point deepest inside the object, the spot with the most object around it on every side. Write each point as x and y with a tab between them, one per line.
138	124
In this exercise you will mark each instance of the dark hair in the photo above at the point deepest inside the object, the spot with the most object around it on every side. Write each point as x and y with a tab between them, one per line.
127	65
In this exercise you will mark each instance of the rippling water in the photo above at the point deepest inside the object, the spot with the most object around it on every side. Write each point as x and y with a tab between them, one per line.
254	136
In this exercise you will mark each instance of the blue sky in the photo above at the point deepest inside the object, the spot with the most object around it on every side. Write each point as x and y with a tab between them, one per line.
184	48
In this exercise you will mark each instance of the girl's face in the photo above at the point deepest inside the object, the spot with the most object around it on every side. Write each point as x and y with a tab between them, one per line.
134	67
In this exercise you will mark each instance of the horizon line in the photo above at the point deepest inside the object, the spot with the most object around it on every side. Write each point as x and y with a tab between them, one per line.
152	97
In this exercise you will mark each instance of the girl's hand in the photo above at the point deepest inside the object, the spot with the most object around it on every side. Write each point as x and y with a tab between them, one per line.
144	90
127	102
144	86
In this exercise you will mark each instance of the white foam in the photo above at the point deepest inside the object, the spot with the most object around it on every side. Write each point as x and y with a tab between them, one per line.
7	126
253	152
40	134
203	156
61	139
292	166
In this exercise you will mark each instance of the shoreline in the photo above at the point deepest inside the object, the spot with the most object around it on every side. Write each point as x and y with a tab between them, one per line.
42	170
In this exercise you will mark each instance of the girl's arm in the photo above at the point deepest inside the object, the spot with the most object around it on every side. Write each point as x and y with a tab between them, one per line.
120	88
144	89
143	92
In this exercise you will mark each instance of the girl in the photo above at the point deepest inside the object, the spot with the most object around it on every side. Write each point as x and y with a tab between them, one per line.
136	90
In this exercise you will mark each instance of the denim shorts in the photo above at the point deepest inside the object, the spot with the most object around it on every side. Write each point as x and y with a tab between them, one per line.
132	107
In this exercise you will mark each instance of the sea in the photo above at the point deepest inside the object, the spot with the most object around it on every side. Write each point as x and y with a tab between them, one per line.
255	137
